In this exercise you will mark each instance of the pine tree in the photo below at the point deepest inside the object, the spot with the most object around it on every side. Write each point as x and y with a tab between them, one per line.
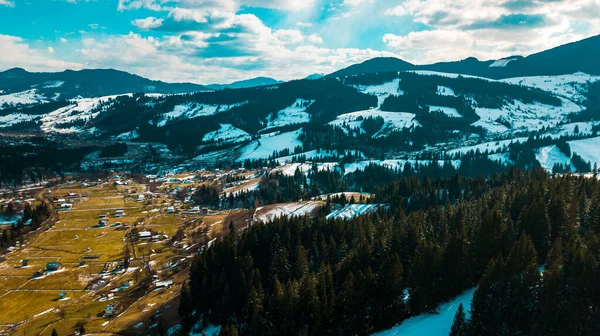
185	309
522	276
424	277
459	326
54	332
552	319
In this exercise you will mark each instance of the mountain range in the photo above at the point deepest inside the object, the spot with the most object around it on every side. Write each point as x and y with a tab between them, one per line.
581	56
383	108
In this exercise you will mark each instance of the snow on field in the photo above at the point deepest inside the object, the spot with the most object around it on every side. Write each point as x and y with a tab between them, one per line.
53	84
526	117
316	154
578	128
352	210
395	164
193	110
588	149
449	111
381	91
330	166
268	143
226	132
572	86
503	158
15	118
393	121
270	212
486	146
445	91
80	109
446	74
244	186
501	63
295	114
25	98
290	168
131	135
432	324
550	155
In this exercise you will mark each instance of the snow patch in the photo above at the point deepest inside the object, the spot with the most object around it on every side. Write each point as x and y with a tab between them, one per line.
550	155
28	97
432	324
264	147
226	132
448	111
587	149
294	114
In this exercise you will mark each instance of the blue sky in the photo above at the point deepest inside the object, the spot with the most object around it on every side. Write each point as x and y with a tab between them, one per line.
207	41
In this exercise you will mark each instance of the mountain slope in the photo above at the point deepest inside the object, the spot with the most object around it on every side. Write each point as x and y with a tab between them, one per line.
86	83
248	83
380	64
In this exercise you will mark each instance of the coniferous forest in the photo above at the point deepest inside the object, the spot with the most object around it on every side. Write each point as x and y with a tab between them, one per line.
528	242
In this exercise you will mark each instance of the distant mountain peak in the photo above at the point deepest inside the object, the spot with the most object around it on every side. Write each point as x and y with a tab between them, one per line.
378	64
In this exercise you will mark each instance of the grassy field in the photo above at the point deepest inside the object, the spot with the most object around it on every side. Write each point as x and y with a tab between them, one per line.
31	304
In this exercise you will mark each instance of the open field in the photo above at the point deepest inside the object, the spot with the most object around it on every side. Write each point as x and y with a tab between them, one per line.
92	275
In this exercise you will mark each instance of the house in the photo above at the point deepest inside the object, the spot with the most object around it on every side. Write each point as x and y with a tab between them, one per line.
103	222
120	211
163	284
24	262
170	209
53	266
109	311
144	235
66	206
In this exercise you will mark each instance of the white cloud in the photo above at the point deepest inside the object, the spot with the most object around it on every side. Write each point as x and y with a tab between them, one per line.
315	39
355	3
396	11
94	25
147	23
490	29
50	50
289	36
7	3
17	53
63	40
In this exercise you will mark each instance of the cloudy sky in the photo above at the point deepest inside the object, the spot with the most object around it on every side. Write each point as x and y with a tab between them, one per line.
218	41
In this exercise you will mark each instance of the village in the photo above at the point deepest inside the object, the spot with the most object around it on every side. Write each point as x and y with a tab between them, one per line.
113	260
113	255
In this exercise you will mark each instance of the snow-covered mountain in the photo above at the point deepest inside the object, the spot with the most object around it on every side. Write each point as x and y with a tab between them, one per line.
414	116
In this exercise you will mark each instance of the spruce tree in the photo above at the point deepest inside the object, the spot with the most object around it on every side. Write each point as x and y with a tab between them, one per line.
459	326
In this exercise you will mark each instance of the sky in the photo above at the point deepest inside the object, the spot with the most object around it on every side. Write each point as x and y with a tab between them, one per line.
221	41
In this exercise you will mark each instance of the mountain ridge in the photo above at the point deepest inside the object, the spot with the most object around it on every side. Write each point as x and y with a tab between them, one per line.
578	56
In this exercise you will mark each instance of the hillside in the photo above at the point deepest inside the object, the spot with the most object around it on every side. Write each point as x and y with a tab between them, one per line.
86	83
248	83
